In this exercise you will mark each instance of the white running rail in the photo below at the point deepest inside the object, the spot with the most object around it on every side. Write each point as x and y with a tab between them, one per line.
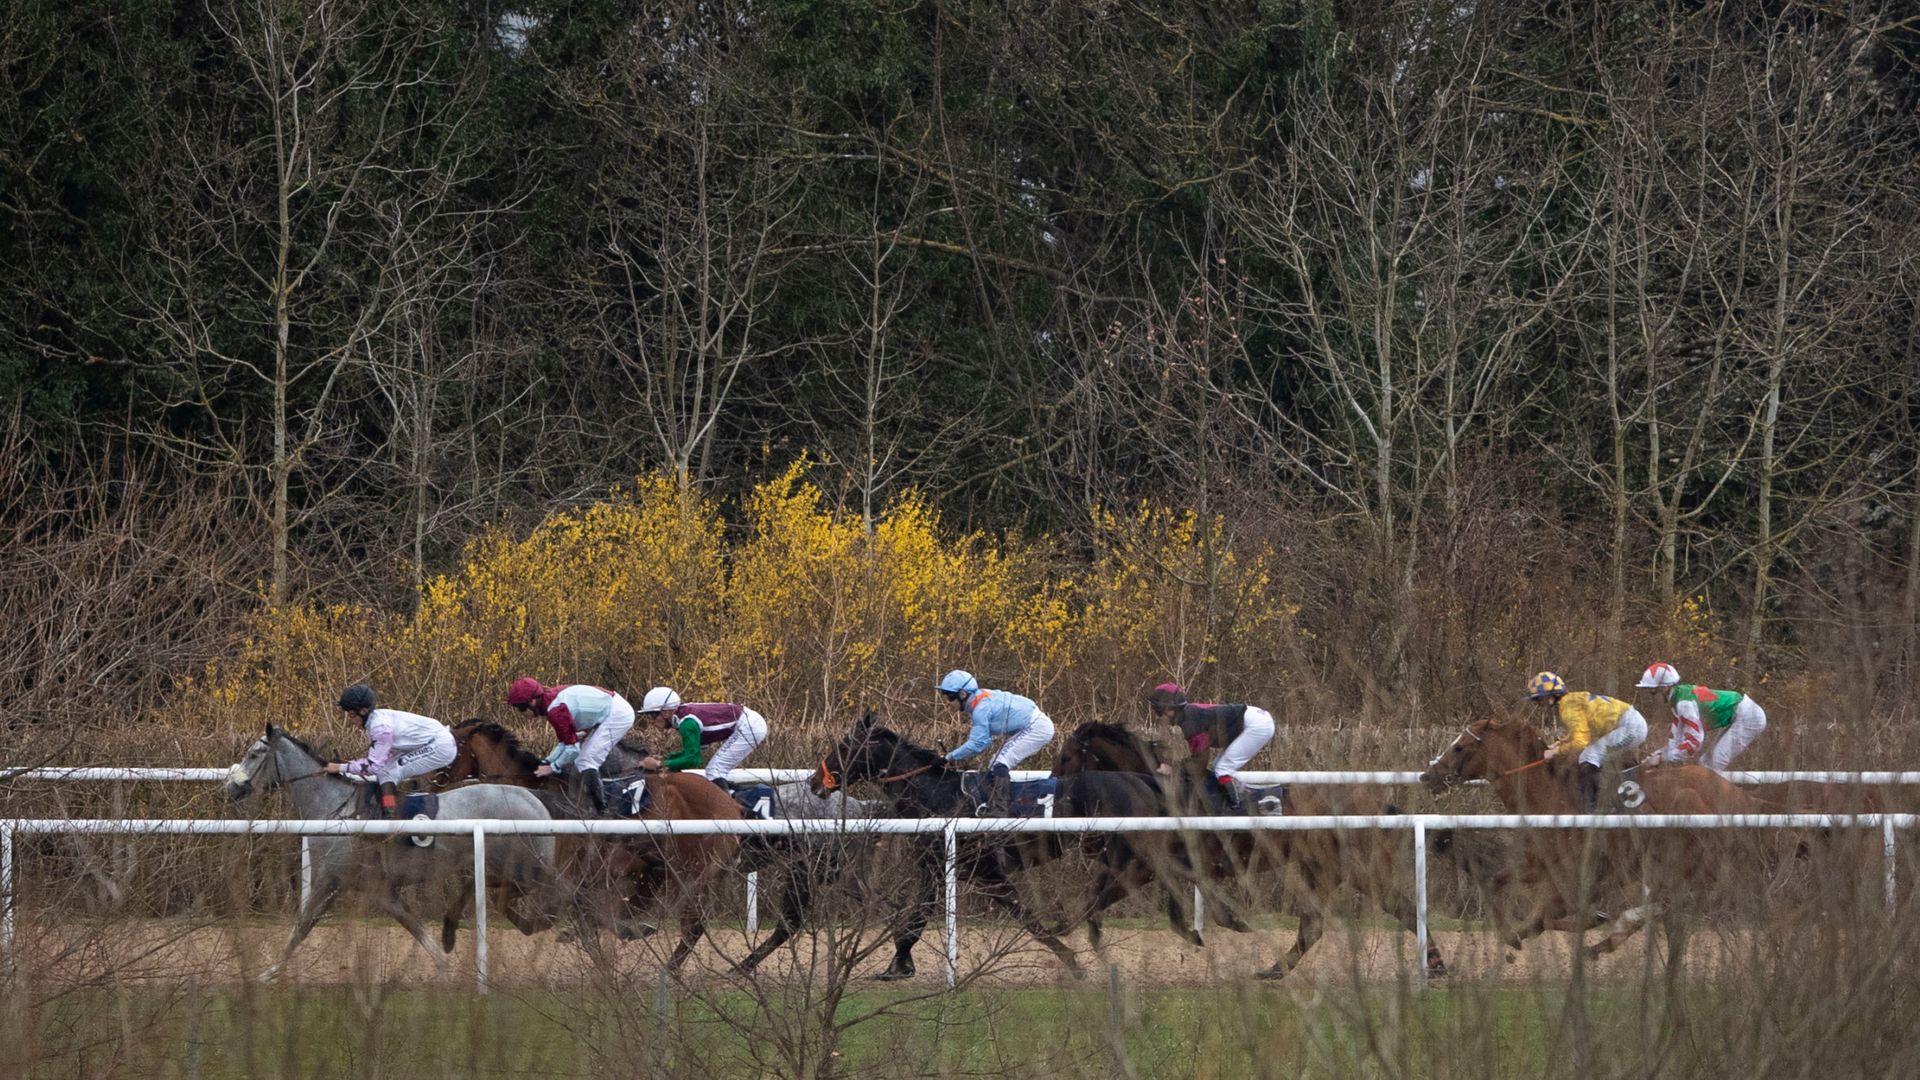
950	828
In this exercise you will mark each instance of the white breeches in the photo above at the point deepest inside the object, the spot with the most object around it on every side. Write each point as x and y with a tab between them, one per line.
419	761
605	736
749	732
1023	744
1749	720
1257	733
1631	732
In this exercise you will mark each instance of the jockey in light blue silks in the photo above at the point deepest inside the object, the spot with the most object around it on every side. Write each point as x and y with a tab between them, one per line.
996	712
602	714
401	745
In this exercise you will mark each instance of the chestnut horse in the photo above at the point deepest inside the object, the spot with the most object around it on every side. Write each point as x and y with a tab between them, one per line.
1566	880
669	868
1362	860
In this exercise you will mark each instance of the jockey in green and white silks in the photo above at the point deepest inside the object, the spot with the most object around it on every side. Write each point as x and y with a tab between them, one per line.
1716	725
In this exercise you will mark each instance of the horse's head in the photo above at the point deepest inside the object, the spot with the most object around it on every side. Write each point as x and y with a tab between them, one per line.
1095	746
1484	750
868	750
465	765
256	770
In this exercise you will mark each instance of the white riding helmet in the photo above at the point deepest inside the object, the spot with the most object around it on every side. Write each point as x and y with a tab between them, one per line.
659	699
1660	674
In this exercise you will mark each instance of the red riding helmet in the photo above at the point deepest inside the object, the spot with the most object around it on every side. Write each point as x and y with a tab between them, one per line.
524	692
1167	696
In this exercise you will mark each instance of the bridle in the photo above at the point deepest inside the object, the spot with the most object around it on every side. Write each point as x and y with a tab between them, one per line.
1481	739
829	782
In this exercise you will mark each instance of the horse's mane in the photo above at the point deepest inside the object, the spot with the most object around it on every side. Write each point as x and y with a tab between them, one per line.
508	741
921	755
1095	729
319	753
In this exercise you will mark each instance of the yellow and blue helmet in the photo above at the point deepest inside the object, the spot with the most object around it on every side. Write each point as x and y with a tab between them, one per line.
1545	684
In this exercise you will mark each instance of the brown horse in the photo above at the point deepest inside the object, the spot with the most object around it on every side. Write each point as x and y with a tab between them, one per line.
1568	881
671	869
1327	862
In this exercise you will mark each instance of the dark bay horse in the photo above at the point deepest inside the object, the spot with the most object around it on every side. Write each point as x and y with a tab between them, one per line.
1326	861
1568	879
671	869
922	784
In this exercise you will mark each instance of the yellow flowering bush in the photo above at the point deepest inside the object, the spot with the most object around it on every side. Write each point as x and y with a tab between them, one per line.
809	614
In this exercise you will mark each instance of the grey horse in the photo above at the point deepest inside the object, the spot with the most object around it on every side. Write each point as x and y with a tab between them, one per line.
518	867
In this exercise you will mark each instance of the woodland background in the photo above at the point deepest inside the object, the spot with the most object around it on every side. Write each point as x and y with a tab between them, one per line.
1357	359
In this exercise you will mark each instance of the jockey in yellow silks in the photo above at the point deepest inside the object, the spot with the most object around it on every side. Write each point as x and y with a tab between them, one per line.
1597	727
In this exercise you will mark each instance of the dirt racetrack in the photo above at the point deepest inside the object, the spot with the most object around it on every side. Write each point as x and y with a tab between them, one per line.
357	951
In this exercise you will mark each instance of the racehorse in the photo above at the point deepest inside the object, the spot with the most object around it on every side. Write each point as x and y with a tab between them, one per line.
517	866
486	749
673	867
1326	861
922	784
1566	882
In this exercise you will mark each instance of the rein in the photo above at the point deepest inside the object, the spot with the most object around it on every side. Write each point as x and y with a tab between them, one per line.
1521	769
831	783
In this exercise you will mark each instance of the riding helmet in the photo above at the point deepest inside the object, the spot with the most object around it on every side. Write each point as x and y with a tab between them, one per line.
659	699
1546	684
356	697
523	692
957	683
1167	696
1660	673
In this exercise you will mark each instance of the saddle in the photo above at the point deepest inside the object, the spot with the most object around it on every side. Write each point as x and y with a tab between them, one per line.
759	801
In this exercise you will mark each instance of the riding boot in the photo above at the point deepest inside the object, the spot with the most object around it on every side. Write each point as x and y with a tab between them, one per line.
389	800
596	795
1589	780
1230	794
1000	793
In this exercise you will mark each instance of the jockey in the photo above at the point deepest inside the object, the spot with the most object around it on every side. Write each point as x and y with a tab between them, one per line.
736	728
402	745
996	712
604	715
1241	730
1734	719
1597	727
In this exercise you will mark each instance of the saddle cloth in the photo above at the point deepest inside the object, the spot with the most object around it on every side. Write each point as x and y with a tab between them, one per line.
759	801
627	796
1031	798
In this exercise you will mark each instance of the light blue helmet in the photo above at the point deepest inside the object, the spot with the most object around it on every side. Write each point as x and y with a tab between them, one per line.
957	683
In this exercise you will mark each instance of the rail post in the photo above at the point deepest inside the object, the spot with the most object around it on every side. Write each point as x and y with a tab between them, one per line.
306	871
953	907
1420	900
480	910
1199	911
753	901
1887	850
6	896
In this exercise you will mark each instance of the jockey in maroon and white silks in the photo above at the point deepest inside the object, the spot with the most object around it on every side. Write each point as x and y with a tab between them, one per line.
1239	730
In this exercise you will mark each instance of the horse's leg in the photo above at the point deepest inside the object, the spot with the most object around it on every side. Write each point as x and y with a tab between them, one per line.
913	920
1000	890
692	925
796	895
325	890
402	914
1624	927
450	923
1312	925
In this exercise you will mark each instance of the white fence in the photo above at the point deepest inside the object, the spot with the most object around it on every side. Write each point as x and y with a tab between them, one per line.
951	829
787	776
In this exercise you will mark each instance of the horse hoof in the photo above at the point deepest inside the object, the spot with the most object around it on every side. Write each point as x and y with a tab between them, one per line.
893	975
1196	940
635	933
1273	974
1436	971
